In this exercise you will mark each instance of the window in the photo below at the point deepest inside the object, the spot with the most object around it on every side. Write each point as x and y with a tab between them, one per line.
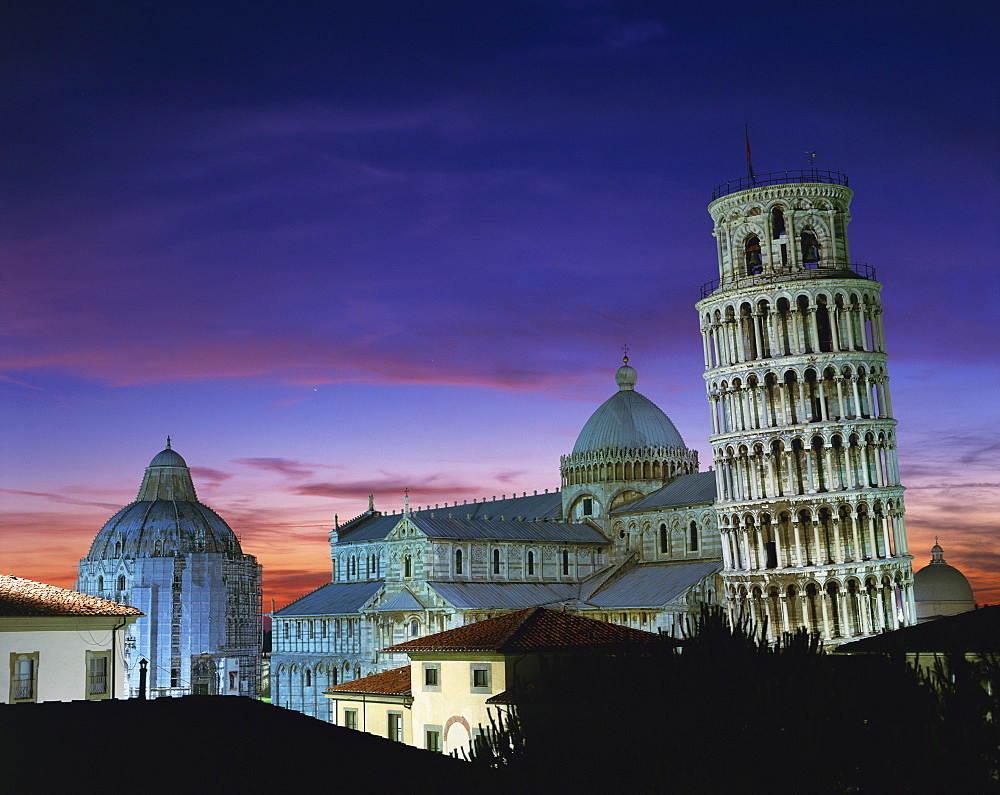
480	677
98	667
565	562
100	583
24	677
309	678
232	680
588	506
531	562
432	738
121	582
777	222
394	722
350	719
414	628
432	677
751	254
664	546
458	561
810	249
496	561
694	537
407	566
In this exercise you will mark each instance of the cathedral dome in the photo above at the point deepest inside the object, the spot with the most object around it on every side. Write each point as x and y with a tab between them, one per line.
627	419
166	519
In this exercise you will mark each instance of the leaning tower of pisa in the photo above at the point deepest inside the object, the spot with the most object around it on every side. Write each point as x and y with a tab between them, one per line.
810	507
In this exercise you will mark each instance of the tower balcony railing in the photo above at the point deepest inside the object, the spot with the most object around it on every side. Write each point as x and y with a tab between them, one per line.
830	268
780	178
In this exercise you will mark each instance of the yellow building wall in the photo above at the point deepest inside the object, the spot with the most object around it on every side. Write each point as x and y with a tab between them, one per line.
62	644
456	709
373	713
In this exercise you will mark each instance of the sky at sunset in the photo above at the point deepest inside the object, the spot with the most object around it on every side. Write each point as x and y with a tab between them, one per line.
341	248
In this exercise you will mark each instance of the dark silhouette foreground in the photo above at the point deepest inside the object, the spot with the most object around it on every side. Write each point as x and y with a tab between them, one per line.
207	744
728	713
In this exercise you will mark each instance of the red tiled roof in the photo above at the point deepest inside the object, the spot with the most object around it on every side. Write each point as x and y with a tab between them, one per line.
533	629
389	683
20	597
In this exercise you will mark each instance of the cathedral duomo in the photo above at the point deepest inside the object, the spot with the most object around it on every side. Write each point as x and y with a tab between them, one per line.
797	523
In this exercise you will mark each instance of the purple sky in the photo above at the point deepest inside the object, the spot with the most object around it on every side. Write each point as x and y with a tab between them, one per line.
353	247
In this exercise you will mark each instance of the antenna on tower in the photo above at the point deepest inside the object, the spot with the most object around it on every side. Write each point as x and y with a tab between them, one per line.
750	175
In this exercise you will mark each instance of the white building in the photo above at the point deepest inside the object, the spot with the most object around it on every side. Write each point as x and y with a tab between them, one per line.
60	645
800	524
182	566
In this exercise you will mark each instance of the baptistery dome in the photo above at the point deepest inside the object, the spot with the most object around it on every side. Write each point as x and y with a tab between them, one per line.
940	589
627	420
166	519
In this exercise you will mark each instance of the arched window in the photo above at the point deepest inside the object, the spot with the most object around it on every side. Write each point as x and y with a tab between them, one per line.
100	583
309	678
777	222
496	561
121	582
693	543
414	628
407	566
565	562
751	255
663	539
811	254
458	561
531	562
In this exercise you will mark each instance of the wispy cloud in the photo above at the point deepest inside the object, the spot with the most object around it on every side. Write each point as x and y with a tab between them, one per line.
283	466
63	499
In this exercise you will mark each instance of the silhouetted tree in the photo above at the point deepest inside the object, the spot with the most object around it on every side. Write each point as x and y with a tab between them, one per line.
728	710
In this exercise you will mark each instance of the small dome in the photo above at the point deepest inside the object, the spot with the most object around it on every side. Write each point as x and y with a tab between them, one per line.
940	589
168	458
626	377
627	419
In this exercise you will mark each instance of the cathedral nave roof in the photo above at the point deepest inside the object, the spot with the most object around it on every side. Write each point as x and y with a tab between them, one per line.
375	527
505	595
653	585
334	598
694	489
509	530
